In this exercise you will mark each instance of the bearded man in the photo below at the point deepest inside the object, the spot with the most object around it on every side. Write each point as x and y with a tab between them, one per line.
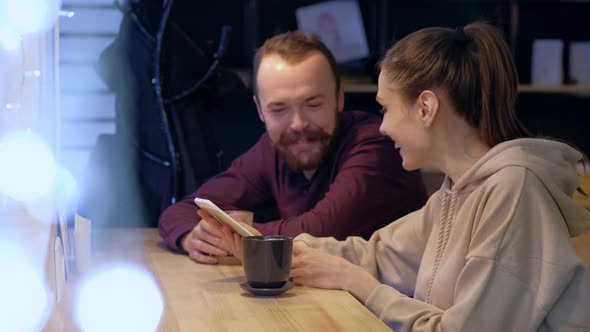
316	170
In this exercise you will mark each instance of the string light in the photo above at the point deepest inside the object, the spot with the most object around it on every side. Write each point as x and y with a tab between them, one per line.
65	13
12	106
32	73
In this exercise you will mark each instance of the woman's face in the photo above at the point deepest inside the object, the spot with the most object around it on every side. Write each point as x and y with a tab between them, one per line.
402	123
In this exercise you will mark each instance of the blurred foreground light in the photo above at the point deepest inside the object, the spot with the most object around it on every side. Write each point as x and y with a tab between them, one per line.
28	16
119	298
9	39
67	189
27	167
24	302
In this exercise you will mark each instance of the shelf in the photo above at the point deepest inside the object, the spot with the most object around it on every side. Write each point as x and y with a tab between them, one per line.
360	88
573	89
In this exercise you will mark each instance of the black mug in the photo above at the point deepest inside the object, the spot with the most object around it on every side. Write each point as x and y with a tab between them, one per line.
267	260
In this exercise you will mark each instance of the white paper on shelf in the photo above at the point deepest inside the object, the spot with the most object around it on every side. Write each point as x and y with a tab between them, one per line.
60	269
339	25
546	65
82	243
579	68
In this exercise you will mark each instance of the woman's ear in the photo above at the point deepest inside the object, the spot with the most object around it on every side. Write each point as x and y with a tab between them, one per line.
429	105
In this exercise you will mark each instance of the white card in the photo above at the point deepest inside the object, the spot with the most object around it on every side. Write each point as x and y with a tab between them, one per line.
339	25
547	68
579	70
82	243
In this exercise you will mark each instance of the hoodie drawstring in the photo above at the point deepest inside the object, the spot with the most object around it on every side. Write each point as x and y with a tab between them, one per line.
447	214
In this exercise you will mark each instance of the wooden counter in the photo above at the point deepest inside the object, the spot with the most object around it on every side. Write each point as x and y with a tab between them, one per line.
201	297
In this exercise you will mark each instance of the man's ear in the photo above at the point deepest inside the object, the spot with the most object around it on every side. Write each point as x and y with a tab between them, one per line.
340	96
428	104
258	108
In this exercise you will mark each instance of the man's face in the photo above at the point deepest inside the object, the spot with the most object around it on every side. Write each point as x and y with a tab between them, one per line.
299	106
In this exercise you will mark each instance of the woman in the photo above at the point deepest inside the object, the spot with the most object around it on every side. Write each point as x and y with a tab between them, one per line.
490	251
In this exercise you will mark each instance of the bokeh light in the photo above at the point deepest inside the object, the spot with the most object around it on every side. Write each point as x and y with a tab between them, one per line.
119	298
24	300
27	167
9	39
66	189
28	16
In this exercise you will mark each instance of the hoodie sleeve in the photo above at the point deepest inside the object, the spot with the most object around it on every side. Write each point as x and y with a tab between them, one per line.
392	254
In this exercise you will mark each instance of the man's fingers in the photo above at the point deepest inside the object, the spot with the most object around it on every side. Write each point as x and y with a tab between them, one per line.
238	246
228	239
208	248
200	257
212	226
203	233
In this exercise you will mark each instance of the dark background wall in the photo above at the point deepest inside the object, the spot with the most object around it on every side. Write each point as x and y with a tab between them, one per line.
550	112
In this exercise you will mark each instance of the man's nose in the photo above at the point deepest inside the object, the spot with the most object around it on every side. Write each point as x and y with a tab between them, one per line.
299	121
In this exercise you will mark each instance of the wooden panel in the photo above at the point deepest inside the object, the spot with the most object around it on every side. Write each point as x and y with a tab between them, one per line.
73	3
82	49
81	134
80	77
87	106
91	20
75	161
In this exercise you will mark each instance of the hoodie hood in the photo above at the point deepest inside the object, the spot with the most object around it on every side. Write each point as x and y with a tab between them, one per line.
554	163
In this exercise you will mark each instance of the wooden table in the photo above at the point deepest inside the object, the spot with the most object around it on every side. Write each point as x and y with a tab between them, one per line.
202	297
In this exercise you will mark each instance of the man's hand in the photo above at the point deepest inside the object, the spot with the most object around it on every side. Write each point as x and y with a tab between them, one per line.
204	243
232	241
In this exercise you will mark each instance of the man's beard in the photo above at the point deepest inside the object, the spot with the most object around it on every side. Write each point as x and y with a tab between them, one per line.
308	160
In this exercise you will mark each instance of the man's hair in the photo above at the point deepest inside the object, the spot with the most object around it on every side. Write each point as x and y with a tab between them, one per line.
472	64
294	47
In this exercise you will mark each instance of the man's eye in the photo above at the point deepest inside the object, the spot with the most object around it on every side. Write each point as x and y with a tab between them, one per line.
277	110
383	110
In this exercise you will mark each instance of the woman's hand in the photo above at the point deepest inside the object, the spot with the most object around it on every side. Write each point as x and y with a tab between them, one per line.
232	240
315	268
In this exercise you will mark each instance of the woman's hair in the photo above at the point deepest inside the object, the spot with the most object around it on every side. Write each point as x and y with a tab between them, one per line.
294	47
472	64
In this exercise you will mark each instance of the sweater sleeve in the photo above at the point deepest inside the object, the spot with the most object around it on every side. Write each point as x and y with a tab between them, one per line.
521	274
242	185
370	190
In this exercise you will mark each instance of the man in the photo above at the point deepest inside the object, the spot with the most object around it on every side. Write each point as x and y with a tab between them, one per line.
316	170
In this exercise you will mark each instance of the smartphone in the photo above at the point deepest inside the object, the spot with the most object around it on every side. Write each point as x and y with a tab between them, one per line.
222	217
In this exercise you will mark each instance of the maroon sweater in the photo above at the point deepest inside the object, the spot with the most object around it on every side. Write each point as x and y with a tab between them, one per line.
358	188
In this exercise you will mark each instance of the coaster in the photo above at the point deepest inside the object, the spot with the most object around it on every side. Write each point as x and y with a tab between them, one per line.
267	291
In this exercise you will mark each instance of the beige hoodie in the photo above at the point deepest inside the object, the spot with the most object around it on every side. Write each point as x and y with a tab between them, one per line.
489	253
